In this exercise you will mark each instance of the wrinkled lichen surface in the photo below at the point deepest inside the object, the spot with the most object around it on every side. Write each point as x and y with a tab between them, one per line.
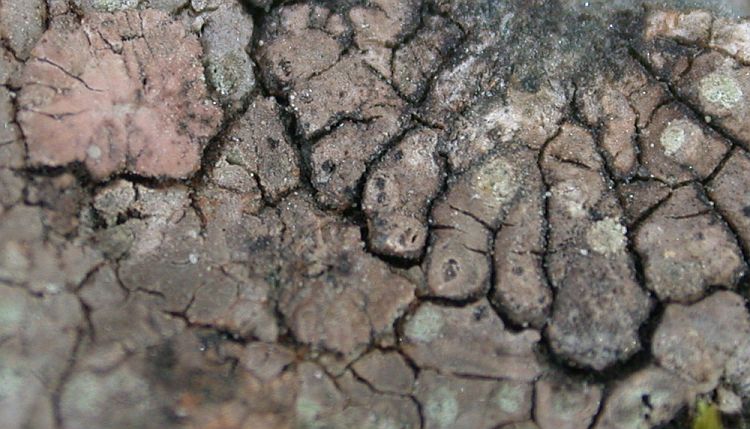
255	214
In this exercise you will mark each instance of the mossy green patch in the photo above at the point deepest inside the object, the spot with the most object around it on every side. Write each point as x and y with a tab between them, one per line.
307	410
721	89
426	324
672	138
509	398
442	407
496	182
607	236
707	416
114	5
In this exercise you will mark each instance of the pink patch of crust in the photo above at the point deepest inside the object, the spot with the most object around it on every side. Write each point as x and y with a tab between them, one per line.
118	92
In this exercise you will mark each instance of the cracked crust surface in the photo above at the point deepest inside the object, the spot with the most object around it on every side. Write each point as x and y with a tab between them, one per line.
117	92
223	214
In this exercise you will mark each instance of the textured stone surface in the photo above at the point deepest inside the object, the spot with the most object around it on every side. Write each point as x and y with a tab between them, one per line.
398	192
717	86
647	398
675	148
685	248
697	340
470	341
565	404
416	61
452	402
422	214
226	36
21	25
729	190
386	372
130	98
336	296
259	144
599	306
